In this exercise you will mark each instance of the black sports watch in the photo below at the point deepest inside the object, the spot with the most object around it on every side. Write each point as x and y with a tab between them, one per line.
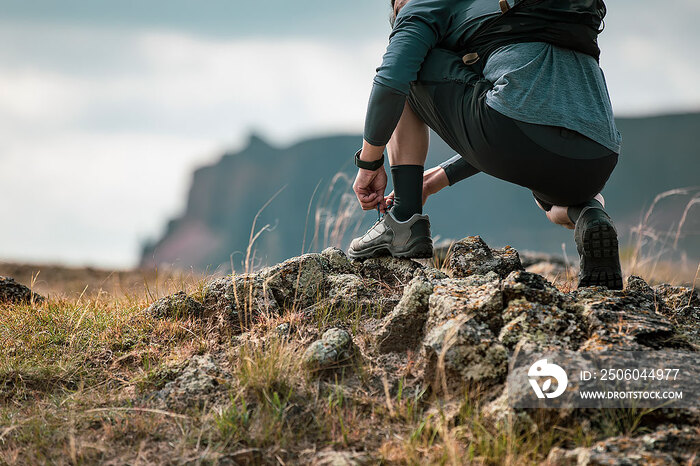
368	165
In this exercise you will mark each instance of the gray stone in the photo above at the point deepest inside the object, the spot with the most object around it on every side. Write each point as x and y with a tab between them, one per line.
337	260
461	351
333	350
349	288
546	325
623	320
471	256
535	288
16	293
196	382
403	327
668	445
178	306
241	298
297	282
478	296
677	297
389	270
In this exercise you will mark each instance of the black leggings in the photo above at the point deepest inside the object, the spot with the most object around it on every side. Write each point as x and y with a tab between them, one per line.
493	143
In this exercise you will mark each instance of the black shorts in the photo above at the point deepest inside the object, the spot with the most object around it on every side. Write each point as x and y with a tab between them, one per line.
560	166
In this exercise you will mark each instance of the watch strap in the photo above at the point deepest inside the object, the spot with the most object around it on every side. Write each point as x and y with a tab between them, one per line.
375	165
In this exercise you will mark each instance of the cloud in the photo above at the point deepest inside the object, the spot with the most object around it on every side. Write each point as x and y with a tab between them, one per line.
94	162
101	123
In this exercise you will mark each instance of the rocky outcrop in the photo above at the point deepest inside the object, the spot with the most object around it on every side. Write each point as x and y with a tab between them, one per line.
459	327
16	293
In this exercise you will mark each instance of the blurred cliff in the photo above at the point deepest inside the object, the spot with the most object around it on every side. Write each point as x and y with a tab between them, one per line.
311	205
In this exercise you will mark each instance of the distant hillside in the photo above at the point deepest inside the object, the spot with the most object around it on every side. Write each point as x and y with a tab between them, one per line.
659	154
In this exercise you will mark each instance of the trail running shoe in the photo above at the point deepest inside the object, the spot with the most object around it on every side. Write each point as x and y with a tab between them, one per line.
390	237
596	242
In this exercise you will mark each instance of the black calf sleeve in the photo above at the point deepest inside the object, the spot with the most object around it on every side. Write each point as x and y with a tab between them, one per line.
408	191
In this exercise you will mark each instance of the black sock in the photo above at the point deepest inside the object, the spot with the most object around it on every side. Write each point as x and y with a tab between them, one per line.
574	211
408	191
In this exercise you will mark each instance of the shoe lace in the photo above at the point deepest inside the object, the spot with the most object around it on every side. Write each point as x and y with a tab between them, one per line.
380	215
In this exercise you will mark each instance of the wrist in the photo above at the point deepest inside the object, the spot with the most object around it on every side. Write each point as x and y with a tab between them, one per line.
369	165
371	153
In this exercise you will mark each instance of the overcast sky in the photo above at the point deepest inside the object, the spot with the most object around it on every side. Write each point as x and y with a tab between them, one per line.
106	107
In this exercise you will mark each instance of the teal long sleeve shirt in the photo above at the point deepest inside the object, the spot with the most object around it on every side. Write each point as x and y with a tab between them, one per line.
533	82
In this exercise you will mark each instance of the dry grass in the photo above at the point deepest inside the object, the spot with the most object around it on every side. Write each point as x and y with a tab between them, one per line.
77	375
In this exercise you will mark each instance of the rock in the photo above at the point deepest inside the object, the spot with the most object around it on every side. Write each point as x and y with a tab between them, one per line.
334	349
297	282
623	320
461	351
16	293
198	379
403	327
337	260
472	255
666	446
241	298
389	270
351	289
340	458
177	306
430	274
682	306
546	325
637	286
532	287
478	296
677	297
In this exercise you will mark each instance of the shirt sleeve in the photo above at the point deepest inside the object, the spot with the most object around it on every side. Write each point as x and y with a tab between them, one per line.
419	27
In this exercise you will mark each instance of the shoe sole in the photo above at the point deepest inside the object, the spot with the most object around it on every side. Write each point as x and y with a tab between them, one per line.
602	256
418	251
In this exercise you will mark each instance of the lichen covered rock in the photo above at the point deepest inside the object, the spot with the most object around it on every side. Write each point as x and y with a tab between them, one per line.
178	306
546	325
197	380
472	256
463	351
478	296
333	350
403	327
623	320
297	282
388	270
241	298
668	445
532	287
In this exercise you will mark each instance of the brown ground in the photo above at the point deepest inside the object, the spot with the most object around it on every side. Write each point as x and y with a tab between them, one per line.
58	280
